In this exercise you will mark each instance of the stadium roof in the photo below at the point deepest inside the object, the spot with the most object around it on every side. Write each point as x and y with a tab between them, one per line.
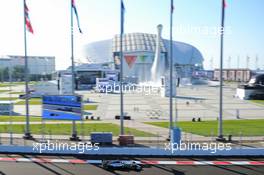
137	42
102	51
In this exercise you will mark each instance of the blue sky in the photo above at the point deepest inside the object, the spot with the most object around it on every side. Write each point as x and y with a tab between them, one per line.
100	19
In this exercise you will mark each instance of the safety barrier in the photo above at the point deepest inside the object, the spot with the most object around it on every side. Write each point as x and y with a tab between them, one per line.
134	151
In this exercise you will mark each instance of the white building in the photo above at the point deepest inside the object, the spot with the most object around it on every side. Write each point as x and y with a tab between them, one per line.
40	65
139	53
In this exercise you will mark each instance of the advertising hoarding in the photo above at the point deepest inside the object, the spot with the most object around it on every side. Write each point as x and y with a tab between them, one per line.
62	107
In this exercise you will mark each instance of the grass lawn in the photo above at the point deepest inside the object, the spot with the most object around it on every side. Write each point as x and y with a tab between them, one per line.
89	107
6	118
4	84
65	129
8	98
32	101
19	83
206	128
261	102
3	91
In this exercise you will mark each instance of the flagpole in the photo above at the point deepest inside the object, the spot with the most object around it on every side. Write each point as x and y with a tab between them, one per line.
27	134
121	70
74	136
171	68
220	120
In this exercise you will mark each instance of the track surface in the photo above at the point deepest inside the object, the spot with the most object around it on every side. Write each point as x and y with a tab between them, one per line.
17	165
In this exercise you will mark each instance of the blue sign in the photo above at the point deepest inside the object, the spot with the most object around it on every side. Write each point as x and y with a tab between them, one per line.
62	107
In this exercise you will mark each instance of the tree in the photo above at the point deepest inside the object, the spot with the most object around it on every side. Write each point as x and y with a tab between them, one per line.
2	74
6	74
18	72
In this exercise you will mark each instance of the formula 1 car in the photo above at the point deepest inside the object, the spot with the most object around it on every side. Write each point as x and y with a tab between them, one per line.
121	165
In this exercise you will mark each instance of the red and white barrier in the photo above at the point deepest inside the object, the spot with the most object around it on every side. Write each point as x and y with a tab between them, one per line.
144	162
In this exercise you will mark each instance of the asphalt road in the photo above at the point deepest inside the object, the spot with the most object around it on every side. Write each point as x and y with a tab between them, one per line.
14	168
35	168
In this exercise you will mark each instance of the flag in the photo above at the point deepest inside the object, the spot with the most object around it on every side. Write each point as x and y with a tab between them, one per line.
130	59
27	20
76	14
122	16
172	6
224	4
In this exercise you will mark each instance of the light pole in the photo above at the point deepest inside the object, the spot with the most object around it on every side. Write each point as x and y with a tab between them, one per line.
122	10
10	101
171	71
74	136
220	119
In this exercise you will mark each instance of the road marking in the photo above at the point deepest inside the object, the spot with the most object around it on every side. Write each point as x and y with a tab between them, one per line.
185	162
59	161
203	162
222	163
23	160
143	162
7	159
77	161
240	162
256	163
167	163
38	160
149	162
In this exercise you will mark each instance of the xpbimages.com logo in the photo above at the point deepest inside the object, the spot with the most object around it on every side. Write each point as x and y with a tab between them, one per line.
212	147
127	88
80	147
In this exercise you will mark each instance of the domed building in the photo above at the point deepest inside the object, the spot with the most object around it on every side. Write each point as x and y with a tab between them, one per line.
139	51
